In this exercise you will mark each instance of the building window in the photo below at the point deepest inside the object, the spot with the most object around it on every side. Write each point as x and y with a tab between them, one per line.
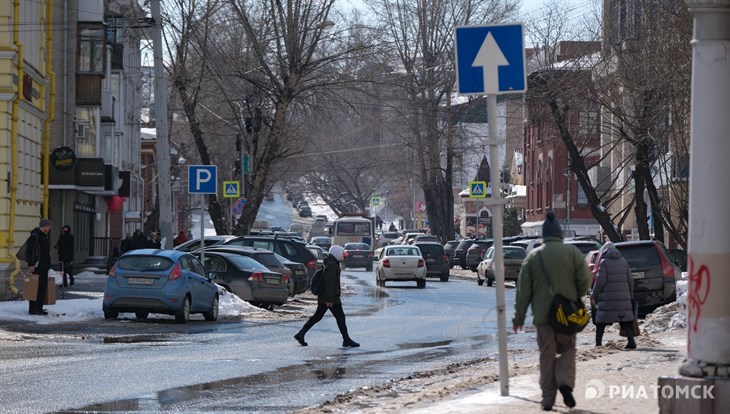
115	30
91	50
85	131
581	196
588	121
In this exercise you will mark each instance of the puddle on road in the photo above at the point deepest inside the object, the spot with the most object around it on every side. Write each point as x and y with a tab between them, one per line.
247	389
416	345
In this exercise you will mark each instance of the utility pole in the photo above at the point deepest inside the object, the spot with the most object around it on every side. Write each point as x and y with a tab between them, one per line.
162	138
708	310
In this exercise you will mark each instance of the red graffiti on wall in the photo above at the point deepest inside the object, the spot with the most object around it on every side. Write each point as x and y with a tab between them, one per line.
698	290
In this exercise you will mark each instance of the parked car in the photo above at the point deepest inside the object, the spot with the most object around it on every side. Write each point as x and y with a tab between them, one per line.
386	237
170	282
409	237
357	255
296	228
304	211
527	244
297	283
325	242
475	253
513	258
437	263
401	263
449	248
298	279
208	241
426	238
584	246
655	275
319	253
291	249
460	253
247	278
591	259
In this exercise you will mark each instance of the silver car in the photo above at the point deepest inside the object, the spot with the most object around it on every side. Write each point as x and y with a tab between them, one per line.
401	263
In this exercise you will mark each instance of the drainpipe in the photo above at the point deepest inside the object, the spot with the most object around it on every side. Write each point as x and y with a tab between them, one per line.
65	96
14	148
49	107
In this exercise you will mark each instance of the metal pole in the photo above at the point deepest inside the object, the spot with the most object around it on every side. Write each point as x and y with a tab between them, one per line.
567	220
202	229
162	138
496	198
708	310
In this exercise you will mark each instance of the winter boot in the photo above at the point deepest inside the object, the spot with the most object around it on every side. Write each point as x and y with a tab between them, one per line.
300	338
349	343
600	329
630	335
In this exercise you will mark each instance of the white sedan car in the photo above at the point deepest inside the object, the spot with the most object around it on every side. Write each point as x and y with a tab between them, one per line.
399	263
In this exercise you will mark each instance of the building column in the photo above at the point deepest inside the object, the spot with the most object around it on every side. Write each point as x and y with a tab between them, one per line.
708	308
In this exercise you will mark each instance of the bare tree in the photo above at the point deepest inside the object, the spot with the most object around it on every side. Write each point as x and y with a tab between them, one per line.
421	36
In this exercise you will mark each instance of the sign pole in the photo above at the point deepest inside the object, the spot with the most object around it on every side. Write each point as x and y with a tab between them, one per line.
497	235
202	229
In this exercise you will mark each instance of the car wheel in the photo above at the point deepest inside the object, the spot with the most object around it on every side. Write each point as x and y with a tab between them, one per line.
213	314
184	315
473	268
445	278
421	283
480	282
141	315
464	267
490	281
111	315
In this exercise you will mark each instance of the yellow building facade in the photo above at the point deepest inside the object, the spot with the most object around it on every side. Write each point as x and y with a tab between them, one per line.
26	85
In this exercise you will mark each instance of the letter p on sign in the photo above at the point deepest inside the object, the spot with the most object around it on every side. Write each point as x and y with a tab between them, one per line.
202	179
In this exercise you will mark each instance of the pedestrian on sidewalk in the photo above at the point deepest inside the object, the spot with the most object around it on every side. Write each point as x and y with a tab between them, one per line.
38	257
65	247
330	299
570	277
613	294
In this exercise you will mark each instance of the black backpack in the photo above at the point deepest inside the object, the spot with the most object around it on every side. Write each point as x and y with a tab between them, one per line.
317	284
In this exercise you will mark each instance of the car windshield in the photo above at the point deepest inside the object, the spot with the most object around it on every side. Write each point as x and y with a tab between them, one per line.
316	252
403	251
267	259
514	253
357	246
144	263
640	255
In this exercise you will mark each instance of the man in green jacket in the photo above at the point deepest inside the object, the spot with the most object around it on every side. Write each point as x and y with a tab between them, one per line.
571	278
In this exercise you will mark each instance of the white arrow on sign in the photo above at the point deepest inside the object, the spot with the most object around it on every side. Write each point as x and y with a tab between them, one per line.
490	57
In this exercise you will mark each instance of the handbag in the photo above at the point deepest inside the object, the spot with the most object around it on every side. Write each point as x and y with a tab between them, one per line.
566	316
634	323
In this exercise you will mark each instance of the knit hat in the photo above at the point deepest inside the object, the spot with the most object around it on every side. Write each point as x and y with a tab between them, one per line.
551	227
337	252
44	223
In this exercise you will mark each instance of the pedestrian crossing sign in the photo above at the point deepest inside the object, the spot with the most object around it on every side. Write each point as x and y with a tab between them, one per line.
477	189
231	189
375	201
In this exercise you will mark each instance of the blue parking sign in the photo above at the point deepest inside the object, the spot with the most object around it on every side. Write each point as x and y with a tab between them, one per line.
202	179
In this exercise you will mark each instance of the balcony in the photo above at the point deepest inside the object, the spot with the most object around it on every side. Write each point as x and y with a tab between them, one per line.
88	89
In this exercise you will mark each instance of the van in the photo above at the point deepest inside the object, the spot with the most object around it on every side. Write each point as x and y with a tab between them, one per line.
297	228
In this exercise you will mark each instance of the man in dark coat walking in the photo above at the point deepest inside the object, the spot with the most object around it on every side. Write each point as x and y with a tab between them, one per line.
65	247
38	257
330	299
139	241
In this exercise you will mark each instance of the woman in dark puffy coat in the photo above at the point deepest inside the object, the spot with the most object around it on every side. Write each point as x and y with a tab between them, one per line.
613	293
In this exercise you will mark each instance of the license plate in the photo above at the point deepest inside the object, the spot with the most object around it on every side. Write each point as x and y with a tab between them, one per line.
637	275
140	281
272	280
430	260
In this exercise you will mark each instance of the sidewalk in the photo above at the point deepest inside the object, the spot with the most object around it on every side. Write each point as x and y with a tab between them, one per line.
618	382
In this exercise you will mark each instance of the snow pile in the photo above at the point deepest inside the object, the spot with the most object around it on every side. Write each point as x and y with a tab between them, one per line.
672	316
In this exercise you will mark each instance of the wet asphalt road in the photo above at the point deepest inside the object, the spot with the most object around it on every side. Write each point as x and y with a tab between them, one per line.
252	365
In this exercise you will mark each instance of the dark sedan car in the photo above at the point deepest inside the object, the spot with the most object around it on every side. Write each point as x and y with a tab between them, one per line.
437	264
358	255
449	248
291	249
460	252
247	278
298	279
475	253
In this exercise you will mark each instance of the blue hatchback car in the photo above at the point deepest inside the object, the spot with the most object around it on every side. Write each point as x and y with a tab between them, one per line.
170	282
